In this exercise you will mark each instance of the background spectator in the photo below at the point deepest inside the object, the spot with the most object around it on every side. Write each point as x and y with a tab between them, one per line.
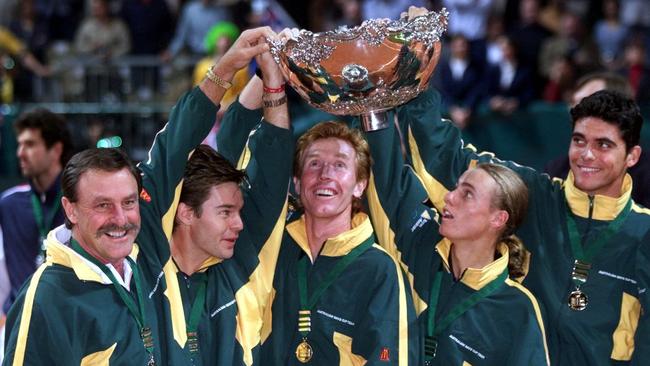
560	82
101	34
573	42
529	35
509	83
457	78
610	34
636	71
197	17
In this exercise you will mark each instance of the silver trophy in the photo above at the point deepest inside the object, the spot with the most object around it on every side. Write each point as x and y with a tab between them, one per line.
365	70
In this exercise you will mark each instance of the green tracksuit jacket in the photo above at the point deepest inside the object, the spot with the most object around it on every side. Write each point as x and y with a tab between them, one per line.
68	313
237	289
613	329
504	328
364	316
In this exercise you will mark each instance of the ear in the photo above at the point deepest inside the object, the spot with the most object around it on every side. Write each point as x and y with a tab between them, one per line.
359	187
296	184
70	210
184	214
57	149
499	219
633	156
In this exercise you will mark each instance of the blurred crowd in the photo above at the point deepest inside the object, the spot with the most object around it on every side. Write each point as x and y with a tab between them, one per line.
499	55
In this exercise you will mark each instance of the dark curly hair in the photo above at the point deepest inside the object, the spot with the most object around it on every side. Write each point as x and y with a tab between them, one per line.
614	108
53	128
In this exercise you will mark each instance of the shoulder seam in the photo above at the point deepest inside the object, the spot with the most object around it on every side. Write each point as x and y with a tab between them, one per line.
640	209
16	189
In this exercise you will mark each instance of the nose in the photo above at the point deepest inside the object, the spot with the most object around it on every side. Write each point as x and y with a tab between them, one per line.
449	197
237	224
587	153
119	216
20	151
327	171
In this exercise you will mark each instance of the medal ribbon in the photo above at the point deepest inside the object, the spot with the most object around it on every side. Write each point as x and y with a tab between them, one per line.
306	304
195	316
433	329
584	257
138	313
44	225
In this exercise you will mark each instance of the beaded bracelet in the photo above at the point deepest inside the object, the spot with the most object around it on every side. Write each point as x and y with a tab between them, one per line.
217	80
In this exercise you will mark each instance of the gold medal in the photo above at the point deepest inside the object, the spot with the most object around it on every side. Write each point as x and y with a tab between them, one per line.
304	352
193	342
578	300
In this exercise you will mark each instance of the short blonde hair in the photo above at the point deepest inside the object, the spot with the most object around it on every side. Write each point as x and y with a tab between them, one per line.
338	130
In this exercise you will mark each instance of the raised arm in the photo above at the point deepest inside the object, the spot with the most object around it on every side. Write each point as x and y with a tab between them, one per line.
439	155
641	345
395	199
268	162
190	121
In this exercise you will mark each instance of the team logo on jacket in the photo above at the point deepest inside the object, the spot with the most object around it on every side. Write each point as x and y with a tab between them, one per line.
144	195
384	355
422	219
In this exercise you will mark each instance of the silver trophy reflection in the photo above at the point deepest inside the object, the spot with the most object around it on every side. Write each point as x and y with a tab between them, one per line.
365	70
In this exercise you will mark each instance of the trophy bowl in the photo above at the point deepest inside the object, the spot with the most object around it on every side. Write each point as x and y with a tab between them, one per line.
365	70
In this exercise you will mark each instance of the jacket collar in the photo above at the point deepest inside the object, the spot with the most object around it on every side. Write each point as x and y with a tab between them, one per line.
51	192
604	208
476	278
62	254
337	246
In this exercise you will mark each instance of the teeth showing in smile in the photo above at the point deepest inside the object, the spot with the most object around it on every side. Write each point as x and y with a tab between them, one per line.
588	169
446	214
116	234
324	192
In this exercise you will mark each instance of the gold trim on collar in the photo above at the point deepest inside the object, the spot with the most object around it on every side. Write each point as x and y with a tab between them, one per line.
211	261
173	294
476	278
605	208
298	232
339	245
58	253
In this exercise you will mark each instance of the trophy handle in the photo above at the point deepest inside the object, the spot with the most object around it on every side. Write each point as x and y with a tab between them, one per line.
374	121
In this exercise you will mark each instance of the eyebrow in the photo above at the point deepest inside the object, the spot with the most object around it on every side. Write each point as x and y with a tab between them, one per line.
606	140
227	205
318	153
133	196
601	139
468	185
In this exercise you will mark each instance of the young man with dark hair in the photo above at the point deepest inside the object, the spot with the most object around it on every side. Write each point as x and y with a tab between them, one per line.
640	172
590	262
219	322
101	264
29	211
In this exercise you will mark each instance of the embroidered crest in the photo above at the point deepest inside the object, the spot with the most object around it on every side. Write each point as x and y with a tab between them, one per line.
384	354
144	195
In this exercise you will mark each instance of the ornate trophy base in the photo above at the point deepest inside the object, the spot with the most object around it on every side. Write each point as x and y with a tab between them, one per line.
374	121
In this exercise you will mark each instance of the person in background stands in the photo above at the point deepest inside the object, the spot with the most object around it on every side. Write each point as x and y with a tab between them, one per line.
29	211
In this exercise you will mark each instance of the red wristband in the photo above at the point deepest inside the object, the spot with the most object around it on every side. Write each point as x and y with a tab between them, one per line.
279	89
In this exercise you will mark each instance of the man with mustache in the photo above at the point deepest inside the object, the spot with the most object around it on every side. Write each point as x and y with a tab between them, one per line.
90	303
86	303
